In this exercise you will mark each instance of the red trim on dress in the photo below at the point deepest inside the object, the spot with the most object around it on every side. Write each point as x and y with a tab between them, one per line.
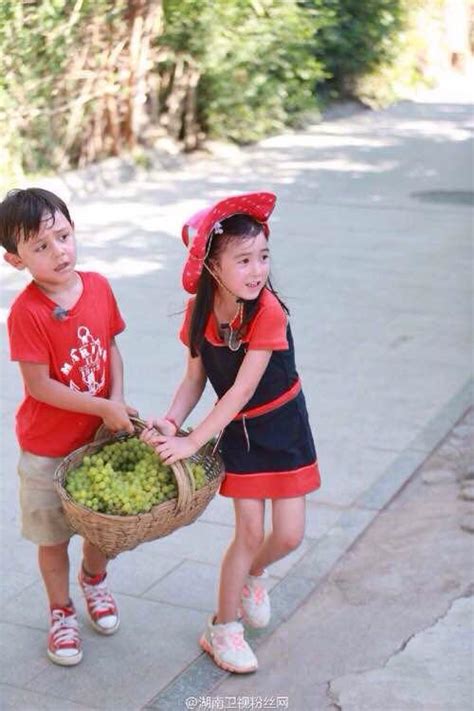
266	331
272	485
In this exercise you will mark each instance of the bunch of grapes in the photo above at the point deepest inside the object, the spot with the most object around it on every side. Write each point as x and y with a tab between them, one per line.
125	478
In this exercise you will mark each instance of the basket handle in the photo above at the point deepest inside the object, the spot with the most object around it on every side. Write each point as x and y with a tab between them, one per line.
181	471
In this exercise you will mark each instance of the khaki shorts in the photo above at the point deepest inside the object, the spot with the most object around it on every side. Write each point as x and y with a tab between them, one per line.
42	516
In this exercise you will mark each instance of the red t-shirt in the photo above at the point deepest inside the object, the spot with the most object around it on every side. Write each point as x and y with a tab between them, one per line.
77	351
266	331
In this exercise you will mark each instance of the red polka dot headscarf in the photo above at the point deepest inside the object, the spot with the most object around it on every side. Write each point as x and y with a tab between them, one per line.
198	227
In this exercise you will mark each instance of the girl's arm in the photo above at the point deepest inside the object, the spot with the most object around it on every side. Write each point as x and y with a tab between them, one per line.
43	388
250	373
186	397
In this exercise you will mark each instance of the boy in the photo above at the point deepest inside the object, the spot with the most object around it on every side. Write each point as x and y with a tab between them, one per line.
62	330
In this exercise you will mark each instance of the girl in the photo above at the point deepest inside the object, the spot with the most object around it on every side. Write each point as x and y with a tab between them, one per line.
236	329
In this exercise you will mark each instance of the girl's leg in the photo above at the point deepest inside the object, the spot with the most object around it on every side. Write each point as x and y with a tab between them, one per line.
288	524
248	538
54	567
93	561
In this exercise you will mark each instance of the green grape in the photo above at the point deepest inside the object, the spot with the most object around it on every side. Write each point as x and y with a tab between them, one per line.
199	475
123	478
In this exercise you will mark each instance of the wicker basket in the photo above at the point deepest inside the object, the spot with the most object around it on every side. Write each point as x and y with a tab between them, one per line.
114	534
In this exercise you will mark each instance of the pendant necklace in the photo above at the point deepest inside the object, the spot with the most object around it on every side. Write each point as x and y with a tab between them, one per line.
229	334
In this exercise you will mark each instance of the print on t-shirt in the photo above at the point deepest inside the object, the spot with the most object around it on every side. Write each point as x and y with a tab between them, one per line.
86	366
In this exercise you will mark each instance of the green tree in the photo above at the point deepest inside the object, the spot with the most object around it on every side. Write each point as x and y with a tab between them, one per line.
72	78
84	79
254	59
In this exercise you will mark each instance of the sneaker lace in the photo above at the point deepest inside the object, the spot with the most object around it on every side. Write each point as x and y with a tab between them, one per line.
99	598
64	629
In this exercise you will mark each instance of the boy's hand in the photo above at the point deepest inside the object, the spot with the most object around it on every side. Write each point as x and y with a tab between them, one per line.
131	410
115	415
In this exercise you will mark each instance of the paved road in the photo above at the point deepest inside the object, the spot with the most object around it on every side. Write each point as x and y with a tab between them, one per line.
371	244
391	627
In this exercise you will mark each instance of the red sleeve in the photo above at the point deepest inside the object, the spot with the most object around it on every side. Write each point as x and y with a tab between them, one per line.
27	341
184	330
268	329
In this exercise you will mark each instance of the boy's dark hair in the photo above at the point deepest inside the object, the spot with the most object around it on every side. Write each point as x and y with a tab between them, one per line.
22	212
233	228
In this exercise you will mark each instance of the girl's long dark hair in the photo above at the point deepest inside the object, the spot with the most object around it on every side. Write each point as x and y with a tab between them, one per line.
236	227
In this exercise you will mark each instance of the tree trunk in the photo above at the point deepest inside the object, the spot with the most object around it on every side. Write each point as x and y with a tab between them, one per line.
143	16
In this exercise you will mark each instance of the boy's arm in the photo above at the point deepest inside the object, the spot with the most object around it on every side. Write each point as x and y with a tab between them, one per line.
116	377
116	372
43	388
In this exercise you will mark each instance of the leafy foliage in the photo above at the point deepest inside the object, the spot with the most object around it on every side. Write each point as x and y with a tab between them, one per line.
85	79
256	64
356	37
66	88
374	49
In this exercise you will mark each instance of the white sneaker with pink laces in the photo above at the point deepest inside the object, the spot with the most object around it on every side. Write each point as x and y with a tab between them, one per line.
255	602
64	643
101	606
225	643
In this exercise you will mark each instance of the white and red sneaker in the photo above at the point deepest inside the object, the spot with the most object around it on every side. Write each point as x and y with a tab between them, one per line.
64	642
255	602
225	643
101	606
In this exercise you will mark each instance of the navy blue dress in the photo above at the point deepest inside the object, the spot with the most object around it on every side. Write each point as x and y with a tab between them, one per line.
268	449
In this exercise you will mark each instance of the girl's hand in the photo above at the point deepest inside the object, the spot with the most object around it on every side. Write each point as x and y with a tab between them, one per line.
170	449
150	435
157	427
165	426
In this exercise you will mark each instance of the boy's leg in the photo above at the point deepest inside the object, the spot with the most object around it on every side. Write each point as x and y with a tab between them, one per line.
54	567
64	642
93	561
101	606
44	523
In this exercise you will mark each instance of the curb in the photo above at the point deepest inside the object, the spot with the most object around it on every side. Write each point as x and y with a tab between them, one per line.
202	675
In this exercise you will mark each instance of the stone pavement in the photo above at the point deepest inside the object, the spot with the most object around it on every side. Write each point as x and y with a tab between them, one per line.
391	626
371	249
